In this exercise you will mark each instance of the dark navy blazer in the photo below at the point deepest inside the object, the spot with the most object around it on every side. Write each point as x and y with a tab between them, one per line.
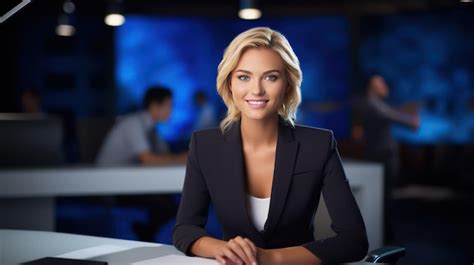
307	163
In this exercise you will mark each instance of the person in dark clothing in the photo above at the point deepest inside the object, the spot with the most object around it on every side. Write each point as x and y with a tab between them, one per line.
379	117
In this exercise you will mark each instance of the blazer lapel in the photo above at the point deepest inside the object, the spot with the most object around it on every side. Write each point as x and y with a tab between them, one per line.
285	159
236	177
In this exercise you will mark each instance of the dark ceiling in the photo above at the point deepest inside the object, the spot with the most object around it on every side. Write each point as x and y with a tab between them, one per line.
96	9
230	7
284	7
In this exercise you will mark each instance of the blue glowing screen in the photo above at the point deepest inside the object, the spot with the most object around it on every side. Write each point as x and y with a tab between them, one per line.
183	54
428	59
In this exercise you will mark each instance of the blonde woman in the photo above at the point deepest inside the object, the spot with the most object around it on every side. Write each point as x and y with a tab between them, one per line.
264	174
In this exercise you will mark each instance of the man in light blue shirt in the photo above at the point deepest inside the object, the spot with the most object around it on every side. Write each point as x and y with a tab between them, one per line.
134	141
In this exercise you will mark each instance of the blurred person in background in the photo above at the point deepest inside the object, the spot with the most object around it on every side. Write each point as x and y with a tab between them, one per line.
30	102
378	118
206	115
134	141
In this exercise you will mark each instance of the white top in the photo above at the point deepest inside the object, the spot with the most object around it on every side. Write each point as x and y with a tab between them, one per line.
258	210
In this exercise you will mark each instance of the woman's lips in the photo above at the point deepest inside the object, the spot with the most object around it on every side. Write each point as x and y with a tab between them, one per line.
257	104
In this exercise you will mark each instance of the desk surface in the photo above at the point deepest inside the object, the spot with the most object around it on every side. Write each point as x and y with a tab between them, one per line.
18	246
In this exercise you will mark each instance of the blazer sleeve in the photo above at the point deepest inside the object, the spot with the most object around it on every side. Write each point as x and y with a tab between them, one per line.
350	242
193	209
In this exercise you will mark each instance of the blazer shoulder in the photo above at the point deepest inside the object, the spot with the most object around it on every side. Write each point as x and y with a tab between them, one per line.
309	132
317	140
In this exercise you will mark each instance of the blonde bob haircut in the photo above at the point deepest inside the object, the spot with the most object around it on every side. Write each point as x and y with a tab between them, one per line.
260	37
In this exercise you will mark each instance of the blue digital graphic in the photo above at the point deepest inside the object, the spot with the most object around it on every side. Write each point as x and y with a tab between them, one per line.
429	59
183	54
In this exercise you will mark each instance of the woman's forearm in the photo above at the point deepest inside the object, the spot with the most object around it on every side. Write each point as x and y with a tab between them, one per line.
206	246
291	255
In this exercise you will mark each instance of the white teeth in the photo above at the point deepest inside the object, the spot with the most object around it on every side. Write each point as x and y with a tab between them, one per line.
257	103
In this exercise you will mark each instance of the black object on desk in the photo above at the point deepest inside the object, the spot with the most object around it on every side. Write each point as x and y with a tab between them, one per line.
63	261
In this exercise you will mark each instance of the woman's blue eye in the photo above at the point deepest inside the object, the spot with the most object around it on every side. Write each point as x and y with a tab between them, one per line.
271	77
243	77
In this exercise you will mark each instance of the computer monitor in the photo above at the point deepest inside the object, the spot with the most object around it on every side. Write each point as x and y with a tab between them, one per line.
30	140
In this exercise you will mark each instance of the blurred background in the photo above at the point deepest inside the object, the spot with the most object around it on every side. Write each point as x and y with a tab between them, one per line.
79	71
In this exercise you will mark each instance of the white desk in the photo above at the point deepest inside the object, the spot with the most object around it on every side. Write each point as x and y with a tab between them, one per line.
18	246
27	195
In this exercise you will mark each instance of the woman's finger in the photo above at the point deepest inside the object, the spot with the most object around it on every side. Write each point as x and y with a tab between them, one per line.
247	249
230	254
239	250
220	260
230	262
252	245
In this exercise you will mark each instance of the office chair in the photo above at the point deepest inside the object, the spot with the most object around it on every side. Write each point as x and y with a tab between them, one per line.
386	255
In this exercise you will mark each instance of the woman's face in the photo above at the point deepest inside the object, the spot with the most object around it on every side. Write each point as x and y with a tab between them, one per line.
259	83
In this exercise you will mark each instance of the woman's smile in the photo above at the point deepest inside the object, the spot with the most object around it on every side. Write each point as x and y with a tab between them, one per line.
257	103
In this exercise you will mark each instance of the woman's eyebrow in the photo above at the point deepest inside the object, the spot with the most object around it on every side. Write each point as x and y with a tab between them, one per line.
243	71
271	71
266	72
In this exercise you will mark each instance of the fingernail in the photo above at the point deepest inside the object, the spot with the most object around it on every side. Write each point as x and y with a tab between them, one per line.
254	263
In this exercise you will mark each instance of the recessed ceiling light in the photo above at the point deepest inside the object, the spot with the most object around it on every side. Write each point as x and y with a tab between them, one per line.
249	10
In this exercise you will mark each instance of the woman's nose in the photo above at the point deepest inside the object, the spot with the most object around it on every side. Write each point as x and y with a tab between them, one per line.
257	88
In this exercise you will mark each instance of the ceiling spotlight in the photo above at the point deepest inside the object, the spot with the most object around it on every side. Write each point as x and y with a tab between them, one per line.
65	27
466	1
248	10
114	20
114	15
65	30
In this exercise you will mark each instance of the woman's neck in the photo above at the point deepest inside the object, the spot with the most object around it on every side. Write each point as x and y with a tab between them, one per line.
259	133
